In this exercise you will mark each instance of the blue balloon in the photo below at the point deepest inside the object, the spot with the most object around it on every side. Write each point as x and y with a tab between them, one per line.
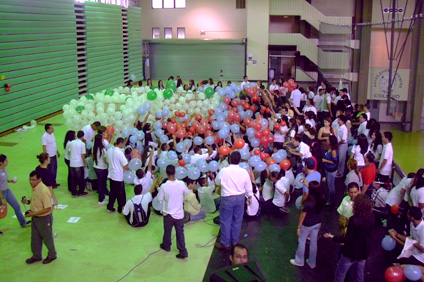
249	113
148	106
159	133
274	167
133	139
233	85
261	166
228	90
159	114
246	166
412	272
125	133
172	155
245	154
255	142
209	140
187	158
162	163
188	143
283	153
238	89
298	201
240	108
198	140
223	133
164	139
139	146
250	132
165	112
180	173
193	173
278	157
213	166
134	164
141	111
180	147
157	125
140	135
129	176
235	128
200	89
254	161
133	131
202	165
215	125
388	243
221	92
220	117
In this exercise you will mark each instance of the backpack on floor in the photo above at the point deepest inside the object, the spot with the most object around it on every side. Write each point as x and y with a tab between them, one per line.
139	216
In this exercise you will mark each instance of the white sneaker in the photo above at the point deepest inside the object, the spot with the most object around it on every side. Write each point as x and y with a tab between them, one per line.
293	262
103	203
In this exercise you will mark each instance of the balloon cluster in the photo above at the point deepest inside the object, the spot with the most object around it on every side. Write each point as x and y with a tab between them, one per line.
290	84
399	274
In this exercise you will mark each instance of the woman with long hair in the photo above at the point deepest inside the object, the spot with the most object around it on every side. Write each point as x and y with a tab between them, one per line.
191	85
100	167
356	243
360	150
309	225
376	146
7	193
331	161
324	133
219	84
354	174
149	82
46	176
69	137
160	85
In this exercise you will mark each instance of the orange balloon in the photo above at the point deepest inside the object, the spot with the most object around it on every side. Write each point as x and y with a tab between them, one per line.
394	209
181	162
285	164
257	152
239	143
135	154
110	129
269	161
224	150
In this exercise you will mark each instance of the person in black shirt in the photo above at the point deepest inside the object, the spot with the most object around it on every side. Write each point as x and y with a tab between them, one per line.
46	176
356	243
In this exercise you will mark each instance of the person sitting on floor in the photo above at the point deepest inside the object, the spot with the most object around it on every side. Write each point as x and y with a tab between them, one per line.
137	209
192	209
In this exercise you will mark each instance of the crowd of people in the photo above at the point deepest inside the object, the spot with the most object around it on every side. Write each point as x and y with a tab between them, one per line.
321	136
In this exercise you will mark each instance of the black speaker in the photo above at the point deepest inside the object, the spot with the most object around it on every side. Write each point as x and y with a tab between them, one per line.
247	272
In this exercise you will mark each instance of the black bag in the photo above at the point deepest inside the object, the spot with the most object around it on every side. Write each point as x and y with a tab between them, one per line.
139	216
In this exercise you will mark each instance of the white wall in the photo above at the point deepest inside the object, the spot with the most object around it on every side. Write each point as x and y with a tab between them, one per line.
343	8
280	24
219	19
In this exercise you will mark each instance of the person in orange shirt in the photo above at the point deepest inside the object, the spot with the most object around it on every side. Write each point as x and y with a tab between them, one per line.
42	220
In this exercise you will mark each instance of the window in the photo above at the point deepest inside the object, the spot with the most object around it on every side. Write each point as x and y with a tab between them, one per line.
168	4
156	33
168	32
180	32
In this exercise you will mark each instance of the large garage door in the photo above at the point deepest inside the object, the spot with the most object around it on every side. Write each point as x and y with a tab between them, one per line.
197	59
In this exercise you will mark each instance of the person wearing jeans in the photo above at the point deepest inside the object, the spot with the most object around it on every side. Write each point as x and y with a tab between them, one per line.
343	145
100	167
309	225
330	161
48	141
7	193
356	243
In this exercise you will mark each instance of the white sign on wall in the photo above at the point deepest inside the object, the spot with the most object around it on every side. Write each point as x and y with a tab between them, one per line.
378	84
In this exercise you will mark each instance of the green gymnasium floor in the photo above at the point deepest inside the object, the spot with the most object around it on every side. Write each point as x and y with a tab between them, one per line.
102	246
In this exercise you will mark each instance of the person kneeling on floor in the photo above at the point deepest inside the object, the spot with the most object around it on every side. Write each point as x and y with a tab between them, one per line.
137	209
192	209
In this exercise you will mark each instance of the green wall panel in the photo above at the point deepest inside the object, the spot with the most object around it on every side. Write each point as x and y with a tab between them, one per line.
135	43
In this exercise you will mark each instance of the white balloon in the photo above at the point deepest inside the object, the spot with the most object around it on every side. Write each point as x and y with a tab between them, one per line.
123	108
107	99
73	103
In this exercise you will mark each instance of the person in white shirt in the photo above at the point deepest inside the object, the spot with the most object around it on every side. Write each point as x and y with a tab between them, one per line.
301	150
281	194
342	141
117	164
172	194
360	150
386	160
89	131
193	210
145	179
48	141
395	197
235	183
244	82
274	85
416	233
198	154
100	167
319	101
296	95
145	201
310	93
77	164
362	129
309	107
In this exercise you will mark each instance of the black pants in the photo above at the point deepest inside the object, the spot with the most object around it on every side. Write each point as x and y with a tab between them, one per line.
269	207
117	192
42	232
101	182
69	174
168	223
77	178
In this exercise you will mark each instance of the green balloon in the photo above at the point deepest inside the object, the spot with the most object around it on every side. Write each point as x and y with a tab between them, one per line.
89	97
171	85
209	92
79	109
109	92
167	93
153	87
152	95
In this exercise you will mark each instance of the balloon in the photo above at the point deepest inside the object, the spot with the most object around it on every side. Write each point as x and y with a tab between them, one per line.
180	147
255	142
222	133
148	106
209	92
165	112
395	209
198	140
412	272
180	173
110	129
181	162
152	95
261	166
172	155
270	161
136	154
254	161
125	133
162	163
209	140
239	143
193	173
141	111
274	167
167	93
159	114
278	157
187	158
298	201
129	176
202	165
164	139
134	164
245	166
285	164
213	166
235	128
224	150
140	135
109	92
388	243
264	155
394	274
245	155
133	139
